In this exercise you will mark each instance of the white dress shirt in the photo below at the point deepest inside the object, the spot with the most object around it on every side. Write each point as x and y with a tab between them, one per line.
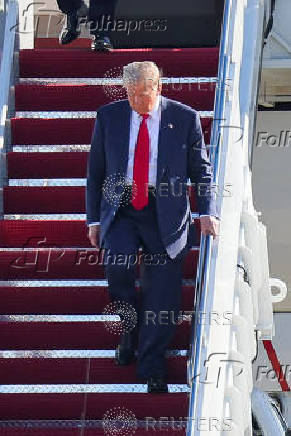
153	125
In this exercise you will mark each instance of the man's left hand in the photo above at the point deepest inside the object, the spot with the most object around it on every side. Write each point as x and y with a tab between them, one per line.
209	225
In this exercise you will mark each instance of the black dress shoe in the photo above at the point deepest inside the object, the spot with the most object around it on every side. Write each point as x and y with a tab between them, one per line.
124	353
157	385
69	32
101	44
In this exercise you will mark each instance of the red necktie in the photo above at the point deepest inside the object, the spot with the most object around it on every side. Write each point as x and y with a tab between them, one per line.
141	166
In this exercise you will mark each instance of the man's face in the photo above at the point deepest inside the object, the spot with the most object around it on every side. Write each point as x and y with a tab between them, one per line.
142	94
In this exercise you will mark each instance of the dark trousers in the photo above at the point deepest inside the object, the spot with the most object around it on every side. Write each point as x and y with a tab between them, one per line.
97	9
161	281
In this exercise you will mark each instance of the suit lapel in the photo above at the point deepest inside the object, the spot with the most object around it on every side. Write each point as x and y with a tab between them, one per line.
124	131
163	141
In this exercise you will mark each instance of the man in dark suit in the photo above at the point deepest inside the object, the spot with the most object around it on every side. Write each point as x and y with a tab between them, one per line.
75	9
154	145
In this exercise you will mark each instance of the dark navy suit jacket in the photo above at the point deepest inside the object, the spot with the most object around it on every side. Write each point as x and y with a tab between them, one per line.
181	155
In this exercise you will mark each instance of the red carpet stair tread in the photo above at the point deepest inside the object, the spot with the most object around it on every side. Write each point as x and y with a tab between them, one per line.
70	335
46	233
189	62
62	263
87	432
69	406
82	97
39	131
49	165
73	370
65	300
48	200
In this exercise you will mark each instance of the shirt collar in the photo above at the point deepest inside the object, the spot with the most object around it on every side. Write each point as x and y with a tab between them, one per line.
154	113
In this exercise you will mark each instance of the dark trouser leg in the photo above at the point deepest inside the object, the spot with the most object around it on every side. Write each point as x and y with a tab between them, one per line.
161	296
161	283
71	28
101	16
121	283
120	258
67	6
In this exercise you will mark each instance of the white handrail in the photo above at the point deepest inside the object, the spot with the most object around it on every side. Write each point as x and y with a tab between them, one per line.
268	418
6	64
241	241
278	284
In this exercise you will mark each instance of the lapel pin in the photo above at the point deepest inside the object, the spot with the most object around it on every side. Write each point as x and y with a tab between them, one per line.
170	125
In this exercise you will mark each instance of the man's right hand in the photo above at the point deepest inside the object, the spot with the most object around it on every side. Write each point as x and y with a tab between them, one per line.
93	235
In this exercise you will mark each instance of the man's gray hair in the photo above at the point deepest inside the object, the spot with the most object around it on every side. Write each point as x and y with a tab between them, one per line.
135	71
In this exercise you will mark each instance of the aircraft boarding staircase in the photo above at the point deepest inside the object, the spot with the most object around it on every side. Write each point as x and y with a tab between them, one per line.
58	374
